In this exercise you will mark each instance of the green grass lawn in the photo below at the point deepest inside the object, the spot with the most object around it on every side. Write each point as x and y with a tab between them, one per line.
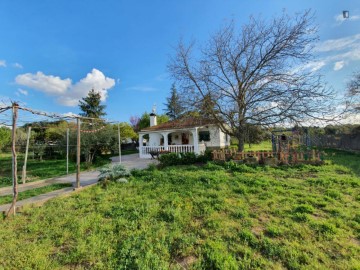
38	170
34	192
212	217
265	145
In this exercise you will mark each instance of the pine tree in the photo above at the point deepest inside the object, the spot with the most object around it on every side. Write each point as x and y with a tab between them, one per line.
90	105
174	108
207	107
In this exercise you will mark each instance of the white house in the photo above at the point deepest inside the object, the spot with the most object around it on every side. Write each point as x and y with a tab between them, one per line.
183	135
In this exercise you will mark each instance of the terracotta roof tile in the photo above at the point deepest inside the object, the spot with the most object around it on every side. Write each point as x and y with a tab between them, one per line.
181	123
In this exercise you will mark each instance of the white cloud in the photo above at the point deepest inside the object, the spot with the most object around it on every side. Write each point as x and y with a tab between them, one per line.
350	42
340	18
17	65
21	92
337	52
2	63
351	118
314	66
48	84
66	92
339	65
95	80
70	114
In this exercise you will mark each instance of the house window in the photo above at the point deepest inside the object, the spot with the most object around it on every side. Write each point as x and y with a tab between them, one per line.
204	136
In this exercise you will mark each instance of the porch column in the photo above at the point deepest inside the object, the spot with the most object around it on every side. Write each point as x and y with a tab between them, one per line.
140	145
196	141
166	141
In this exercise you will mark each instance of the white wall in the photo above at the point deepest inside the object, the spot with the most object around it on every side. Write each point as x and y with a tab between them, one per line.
224	139
154	139
217	137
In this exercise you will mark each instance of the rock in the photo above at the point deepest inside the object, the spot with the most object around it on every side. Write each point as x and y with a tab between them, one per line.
122	180
271	161
251	161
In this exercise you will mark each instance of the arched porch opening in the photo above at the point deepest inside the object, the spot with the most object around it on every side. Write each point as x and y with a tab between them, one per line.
175	141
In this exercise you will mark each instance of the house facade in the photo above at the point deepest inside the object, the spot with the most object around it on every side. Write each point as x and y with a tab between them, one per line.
181	136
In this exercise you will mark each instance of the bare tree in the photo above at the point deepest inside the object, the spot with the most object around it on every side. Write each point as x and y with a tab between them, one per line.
254	75
134	121
353	92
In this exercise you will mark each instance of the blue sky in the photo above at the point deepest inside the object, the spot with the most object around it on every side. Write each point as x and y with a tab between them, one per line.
53	52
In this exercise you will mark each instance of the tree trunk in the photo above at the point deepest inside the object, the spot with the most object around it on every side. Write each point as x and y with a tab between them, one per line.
241	139
92	155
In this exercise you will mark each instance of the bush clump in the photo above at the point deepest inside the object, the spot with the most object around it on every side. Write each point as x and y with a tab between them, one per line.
112	172
172	159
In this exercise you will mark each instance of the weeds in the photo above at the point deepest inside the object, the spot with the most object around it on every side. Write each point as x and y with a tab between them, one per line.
226	216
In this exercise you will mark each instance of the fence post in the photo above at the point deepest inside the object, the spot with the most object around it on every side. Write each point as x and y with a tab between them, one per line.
119	143
67	151
12	209
78	154
26	155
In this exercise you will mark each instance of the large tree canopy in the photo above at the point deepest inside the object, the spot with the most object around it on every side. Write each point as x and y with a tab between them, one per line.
254	75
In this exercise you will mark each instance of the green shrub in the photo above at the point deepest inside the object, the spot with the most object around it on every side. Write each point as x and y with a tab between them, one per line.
207	156
113	172
151	167
189	158
170	159
137	173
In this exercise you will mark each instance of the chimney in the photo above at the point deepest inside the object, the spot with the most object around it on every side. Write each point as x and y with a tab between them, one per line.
153	120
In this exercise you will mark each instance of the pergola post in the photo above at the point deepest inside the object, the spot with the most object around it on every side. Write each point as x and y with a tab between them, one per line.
78	143
26	155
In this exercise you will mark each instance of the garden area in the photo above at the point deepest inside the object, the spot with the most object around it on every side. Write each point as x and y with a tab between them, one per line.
204	216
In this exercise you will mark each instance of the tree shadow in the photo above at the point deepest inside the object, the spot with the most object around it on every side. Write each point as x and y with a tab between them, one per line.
350	160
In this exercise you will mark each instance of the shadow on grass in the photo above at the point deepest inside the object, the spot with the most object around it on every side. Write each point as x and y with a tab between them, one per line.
347	159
